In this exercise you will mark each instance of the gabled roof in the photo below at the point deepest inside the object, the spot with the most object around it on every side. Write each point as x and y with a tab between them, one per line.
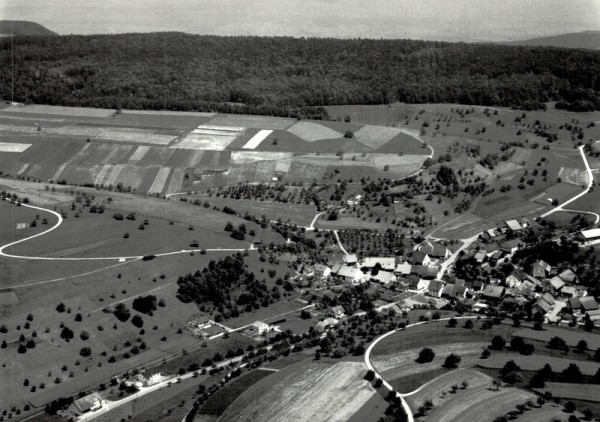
569	290
591	234
434	249
556	282
435	285
403	268
320	267
509	244
418	257
384	277
574	302
346	271
548	298
568	276
544	265
514	225
588	303
490	247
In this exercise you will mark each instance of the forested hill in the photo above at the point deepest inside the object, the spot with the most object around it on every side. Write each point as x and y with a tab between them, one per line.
587	39
274	75
8	28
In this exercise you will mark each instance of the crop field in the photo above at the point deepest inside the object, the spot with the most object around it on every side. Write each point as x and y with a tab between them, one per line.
305	392
577	177
571	337
479	401
176	180
220	401
214	138
160	180
374	114
257	139
311	132
587	392
376	136
560	191
533	363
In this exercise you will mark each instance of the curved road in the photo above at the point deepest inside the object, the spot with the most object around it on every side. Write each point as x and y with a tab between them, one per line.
402	396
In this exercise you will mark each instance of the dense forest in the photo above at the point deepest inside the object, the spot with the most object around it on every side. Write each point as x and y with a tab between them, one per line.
285	76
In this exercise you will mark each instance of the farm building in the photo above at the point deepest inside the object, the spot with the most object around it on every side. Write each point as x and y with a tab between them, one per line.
544	304
387	264
350	259
510	226
384	277
259	327
347	273
588	235
88	403
403	269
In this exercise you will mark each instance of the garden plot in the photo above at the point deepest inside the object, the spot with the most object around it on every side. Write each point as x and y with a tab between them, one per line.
160	180
245	157
311	132
10	147
573	176
376	136
253	122
62	111
208	137
257	139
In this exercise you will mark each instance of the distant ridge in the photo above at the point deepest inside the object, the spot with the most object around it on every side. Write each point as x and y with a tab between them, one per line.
8	28
587	39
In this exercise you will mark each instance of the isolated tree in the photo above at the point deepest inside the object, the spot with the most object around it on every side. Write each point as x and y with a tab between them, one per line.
66	334
425	355
85	352
557	343
572	374
122	312
452	322
468	324
498	343
582	346
451	361
137	321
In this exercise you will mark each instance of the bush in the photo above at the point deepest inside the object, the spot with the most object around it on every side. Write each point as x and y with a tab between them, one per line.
137	321
145	304
122	312
451	361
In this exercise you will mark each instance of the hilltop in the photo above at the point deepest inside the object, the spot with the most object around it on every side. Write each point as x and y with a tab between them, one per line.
587	39
8	28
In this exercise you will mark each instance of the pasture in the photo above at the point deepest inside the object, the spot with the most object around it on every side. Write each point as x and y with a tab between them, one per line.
305	392
586	392
533	363
571	337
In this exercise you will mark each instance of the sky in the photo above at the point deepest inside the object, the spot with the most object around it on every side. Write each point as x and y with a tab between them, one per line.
448	20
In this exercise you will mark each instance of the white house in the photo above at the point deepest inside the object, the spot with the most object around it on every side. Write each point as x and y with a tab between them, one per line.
259	327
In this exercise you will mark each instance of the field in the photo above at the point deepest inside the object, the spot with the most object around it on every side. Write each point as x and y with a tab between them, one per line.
107	149
480	400
587	392
305	392
571	337
533	363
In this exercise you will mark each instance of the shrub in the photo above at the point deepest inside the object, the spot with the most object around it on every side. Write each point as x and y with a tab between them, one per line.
85	352
425	355
122	312
452	361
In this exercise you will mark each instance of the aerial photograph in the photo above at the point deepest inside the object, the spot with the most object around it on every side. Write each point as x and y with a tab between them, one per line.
300	210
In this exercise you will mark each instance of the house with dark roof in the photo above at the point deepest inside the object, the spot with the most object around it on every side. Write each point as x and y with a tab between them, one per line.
420	258
428	272
544	304
510	246
588	303
435	288
435	250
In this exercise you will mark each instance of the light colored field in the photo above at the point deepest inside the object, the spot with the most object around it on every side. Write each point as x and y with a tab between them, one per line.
313	392
381	160
572	337
176	180
375	136
506	167
128	175
257	139
103	174
254	122
245	157
283	166
209	137
113	176
106	134
400	364
312	132
160	180
478	402
23	168
588	392
28	119
62	111
573	176
533	363
10	147
520	155
139	153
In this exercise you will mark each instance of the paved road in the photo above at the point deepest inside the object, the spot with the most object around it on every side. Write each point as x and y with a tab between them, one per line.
579	195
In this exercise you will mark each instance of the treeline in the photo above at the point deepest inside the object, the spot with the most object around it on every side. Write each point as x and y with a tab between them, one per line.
289	76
